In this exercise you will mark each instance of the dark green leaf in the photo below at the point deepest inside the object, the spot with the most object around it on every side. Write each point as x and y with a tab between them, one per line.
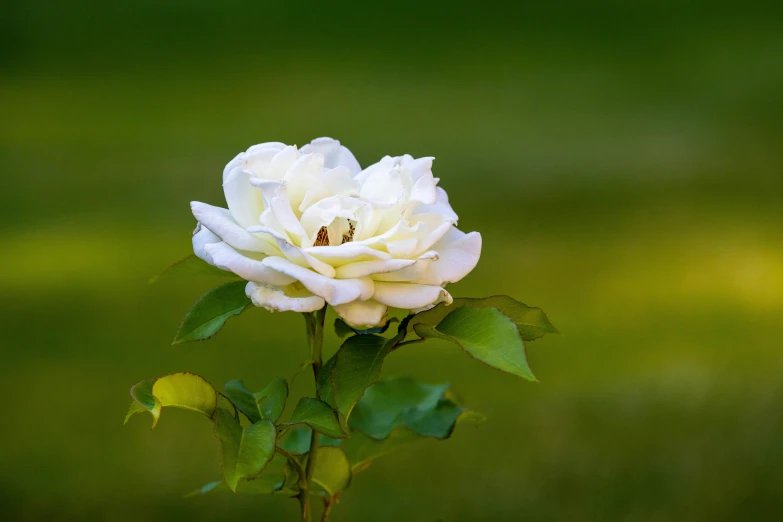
191	264
332	470
179	390
271	400
211	311
342	329
357	364
397	412
392	403
486	334
319	416
531	321
244	451
243	399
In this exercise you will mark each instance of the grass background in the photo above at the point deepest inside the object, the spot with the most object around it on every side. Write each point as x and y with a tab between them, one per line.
623	164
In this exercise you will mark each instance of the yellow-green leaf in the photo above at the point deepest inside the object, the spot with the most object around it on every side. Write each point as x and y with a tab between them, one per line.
332	470
178	390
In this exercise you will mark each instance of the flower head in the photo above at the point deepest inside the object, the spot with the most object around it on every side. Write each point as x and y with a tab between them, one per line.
307	227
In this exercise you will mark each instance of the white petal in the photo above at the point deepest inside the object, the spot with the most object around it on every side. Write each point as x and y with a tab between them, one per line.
220	222
441	208
284	214
249	269
276	299
366	268
434	236
411	274
408	295
400	241
335	155
202	237
458	254
244	201
346	253
258	158
382	186
232	165
335	182
281	162
302	175
334	291
424	185
363	314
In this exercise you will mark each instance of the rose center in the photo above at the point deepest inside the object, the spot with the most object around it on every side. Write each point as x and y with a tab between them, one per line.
322	239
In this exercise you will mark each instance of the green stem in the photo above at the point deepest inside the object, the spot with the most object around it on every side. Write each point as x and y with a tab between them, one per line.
315	326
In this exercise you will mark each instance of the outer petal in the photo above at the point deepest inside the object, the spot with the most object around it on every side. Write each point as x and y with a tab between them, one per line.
334	291
335	155
459	254
249	269
202	237
363	314
220	222
276	299
408	295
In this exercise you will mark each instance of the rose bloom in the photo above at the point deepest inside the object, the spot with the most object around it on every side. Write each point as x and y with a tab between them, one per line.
308	226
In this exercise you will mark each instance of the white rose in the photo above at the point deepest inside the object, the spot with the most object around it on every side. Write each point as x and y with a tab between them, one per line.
308	227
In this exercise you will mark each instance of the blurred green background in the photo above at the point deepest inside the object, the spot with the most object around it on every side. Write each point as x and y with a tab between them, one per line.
623	163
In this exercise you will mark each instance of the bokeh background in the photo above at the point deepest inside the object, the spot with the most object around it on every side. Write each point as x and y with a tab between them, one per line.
623	163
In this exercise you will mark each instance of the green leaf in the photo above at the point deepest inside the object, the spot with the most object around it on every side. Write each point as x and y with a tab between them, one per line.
332	470
357	364
531	321
244	451
243	399
271	400
191	264
319	416
207	316
391	403
179	390
486	334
